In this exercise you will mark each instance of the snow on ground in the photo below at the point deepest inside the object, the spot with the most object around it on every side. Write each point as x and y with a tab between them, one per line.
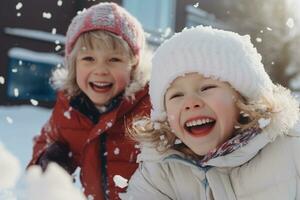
18	126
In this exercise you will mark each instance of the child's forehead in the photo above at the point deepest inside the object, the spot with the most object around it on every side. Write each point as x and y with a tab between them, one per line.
195	77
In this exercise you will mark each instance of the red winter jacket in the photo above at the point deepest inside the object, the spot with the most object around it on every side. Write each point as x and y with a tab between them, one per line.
100	147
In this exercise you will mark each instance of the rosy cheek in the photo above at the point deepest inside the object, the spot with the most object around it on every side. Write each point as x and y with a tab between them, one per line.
122	79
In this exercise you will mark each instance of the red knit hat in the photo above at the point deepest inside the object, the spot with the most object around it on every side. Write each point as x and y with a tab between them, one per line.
108	17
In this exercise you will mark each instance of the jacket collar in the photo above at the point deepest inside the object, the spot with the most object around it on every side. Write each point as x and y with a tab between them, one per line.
84	105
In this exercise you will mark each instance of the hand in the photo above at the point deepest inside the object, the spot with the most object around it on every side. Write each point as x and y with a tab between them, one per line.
60	154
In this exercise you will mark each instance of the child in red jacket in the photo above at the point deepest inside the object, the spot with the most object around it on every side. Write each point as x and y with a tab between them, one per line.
103	88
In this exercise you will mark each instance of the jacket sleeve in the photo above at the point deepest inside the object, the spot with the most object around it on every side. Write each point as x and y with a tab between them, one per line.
49	134
295	152
142	186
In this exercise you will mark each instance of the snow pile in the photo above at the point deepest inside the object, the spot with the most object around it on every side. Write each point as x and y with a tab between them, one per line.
10	169
53	184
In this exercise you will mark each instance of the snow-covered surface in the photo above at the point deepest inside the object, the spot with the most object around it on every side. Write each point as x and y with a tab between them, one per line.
35	34
18	126
25	54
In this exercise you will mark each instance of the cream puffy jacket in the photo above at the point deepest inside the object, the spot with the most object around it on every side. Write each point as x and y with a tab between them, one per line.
267	168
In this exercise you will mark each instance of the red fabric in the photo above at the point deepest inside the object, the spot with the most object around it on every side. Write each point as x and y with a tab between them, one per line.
82	137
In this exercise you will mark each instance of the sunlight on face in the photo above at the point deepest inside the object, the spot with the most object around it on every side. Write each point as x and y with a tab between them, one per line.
201	111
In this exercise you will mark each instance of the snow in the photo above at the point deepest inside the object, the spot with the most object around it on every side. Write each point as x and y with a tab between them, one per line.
19	124
25	54
263	122
10	169
55	182
120	181
35	34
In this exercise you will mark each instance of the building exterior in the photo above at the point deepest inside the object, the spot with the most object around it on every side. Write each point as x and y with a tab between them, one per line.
32	39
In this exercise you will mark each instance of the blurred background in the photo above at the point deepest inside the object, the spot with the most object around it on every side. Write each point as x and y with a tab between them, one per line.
32	45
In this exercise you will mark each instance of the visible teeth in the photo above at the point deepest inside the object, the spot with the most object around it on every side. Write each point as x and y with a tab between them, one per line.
101	84
198	122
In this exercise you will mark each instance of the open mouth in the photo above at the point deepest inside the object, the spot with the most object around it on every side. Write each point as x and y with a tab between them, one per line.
101	86
199	127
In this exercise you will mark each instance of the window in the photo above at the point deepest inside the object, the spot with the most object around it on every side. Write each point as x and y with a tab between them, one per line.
29	73
156	16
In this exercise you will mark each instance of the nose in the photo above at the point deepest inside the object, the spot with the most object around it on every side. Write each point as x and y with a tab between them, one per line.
192	103
101	70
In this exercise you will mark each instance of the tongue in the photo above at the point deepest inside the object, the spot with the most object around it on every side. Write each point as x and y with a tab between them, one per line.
102	88
202	129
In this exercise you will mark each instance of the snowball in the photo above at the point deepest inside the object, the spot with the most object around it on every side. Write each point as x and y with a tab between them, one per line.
196	5
120	181
54	184
263	122
10	169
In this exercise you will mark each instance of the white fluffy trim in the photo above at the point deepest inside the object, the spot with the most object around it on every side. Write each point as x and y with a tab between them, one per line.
286	113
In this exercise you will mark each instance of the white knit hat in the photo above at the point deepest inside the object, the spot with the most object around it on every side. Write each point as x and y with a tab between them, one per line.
214	53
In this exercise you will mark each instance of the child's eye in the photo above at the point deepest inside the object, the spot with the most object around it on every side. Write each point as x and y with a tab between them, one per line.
115	59
175	95
207	87
88	58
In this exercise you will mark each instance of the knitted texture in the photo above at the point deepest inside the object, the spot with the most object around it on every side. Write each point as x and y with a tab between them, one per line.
108	17
214	53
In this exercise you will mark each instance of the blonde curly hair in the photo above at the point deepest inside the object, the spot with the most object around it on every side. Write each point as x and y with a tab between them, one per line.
160	135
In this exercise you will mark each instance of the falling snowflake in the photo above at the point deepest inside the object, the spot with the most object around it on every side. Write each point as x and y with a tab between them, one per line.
117	151
9	120
90	197
269	29
2	80
290	23
16	92
34	102
258	40
47	15
67	113
19	6
53	31
57	48
59	2
20	62
196	5
177	141
14	70
263	122
109	124
120	181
